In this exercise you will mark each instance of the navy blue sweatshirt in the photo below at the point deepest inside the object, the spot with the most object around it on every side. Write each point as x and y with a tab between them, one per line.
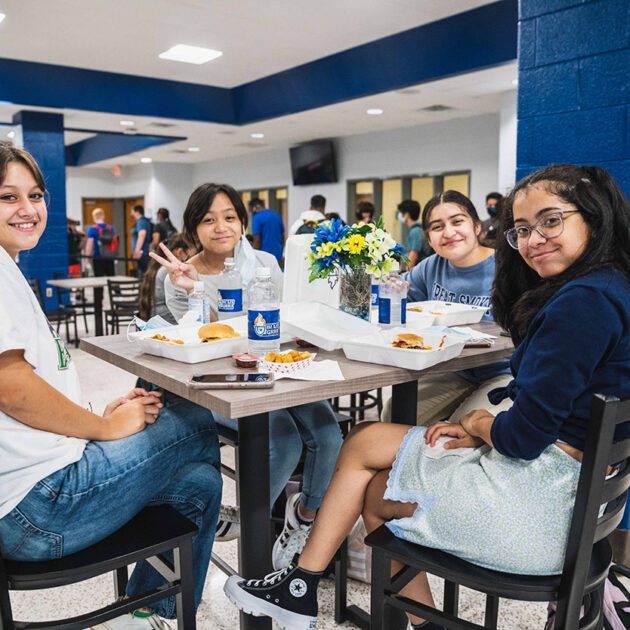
578	345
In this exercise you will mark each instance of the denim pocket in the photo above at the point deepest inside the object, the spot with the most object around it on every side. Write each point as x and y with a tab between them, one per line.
22	540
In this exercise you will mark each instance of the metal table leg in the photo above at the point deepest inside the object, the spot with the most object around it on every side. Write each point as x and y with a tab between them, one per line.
98	311
254	558
405	402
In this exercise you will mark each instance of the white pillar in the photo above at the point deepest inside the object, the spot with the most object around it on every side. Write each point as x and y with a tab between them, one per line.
507	142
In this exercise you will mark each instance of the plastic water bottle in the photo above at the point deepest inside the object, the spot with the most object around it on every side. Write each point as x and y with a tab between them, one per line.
263	314
392	301
199	302
374	292
230	285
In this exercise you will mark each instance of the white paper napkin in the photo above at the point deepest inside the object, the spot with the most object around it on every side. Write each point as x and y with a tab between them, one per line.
473	335
327	370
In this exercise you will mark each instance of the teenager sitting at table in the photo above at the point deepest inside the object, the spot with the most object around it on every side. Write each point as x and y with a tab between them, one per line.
563	292
214	221
460	271
69	477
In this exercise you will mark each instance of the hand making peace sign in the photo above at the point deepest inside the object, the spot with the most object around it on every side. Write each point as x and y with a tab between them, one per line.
182	275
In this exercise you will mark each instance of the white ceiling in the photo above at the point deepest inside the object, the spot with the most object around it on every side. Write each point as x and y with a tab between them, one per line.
258	38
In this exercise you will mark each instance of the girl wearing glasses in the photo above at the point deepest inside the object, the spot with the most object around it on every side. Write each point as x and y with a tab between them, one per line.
506	503
461	271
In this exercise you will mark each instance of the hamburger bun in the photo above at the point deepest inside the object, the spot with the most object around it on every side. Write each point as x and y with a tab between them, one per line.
216	331
409	341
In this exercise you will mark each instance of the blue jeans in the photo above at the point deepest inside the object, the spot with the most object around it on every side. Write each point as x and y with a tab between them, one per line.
314	425
174	462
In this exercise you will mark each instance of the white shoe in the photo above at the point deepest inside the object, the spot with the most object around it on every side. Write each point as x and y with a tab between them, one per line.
132	621
293	536
228	525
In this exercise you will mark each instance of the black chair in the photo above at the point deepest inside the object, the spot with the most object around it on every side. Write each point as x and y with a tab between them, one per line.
588	554
152	533
367	400
61	315
76	298
124	297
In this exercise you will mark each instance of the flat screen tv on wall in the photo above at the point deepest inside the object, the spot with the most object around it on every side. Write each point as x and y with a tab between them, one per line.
313	163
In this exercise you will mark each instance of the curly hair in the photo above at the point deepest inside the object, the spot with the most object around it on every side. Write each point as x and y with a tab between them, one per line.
519	292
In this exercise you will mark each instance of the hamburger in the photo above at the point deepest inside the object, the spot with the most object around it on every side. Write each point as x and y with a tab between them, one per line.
215	332
409	341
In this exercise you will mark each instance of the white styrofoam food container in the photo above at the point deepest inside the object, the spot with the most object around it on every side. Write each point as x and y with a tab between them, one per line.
377	348
449	313
322	325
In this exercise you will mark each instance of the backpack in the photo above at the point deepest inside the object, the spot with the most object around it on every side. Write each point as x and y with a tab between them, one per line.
308	227
107	240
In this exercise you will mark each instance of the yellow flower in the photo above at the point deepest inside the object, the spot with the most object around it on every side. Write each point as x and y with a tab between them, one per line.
356	244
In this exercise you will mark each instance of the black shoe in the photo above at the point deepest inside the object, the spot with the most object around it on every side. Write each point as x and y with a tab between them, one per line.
289	596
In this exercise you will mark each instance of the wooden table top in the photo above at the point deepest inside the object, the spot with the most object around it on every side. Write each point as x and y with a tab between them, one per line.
89	282
234	403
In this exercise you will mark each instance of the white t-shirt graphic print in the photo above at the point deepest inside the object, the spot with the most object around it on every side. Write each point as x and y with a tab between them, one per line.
29	455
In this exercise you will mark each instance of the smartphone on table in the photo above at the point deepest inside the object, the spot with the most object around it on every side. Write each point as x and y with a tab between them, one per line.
231	381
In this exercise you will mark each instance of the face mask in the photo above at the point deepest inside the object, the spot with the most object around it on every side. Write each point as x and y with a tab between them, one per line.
492	210
400	217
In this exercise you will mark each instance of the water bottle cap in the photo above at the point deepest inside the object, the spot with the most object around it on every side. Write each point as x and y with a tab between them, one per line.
198	286
263	272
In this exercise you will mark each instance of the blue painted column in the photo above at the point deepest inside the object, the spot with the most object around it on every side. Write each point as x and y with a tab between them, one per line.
574	92
42	135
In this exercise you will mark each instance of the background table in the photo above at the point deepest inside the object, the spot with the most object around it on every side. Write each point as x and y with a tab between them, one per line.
92	282
252	407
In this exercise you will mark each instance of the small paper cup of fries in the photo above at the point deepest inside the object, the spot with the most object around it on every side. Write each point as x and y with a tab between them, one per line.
287	362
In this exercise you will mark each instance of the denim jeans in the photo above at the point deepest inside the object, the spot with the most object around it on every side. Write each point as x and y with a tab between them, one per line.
314	425
174	461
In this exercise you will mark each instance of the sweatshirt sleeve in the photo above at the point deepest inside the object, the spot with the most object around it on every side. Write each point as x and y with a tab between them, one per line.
575	334
176	299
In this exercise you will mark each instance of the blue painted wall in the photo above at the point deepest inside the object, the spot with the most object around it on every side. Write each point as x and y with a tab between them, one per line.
574	85
43	136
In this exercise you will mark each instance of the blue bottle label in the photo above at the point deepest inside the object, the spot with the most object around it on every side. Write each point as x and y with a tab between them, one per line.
230	300
403	311
384	310
374	295
263	325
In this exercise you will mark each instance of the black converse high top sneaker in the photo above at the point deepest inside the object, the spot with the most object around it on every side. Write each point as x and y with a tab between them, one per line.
289	596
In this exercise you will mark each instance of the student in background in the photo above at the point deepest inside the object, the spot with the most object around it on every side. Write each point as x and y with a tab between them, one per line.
76	242
365	212
267	229
102	244
313	215
418	247
141	234
163	228
461	271
490	227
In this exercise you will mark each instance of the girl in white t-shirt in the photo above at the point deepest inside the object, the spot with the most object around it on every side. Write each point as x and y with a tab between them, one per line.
68	477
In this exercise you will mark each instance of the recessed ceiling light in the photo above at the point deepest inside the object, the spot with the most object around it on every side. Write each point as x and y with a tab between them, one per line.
194	149
146	160
127	123
190	54
2	16
11	134
374	111
257	135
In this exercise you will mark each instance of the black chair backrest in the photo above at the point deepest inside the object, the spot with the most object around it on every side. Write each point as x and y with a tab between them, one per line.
37	290
124	295
594	490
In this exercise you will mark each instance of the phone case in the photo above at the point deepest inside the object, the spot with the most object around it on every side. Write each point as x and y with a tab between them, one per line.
252	385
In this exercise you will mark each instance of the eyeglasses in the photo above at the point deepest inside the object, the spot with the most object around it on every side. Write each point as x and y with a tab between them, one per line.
550	226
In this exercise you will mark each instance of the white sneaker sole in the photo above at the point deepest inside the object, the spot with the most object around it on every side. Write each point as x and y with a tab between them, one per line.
253	605
278	561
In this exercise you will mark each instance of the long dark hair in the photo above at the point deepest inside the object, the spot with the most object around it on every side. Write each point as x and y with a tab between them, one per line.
449	196
519	292
10	153
164	216
147	288
199	203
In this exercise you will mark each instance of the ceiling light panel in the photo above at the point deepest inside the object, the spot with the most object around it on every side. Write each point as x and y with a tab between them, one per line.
2	16
190	54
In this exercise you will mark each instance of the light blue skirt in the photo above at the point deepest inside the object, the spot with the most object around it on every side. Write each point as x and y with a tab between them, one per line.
501	513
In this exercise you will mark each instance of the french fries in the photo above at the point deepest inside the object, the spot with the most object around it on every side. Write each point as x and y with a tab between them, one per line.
292	356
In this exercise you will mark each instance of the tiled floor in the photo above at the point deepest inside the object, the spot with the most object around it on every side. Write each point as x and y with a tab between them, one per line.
102	382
